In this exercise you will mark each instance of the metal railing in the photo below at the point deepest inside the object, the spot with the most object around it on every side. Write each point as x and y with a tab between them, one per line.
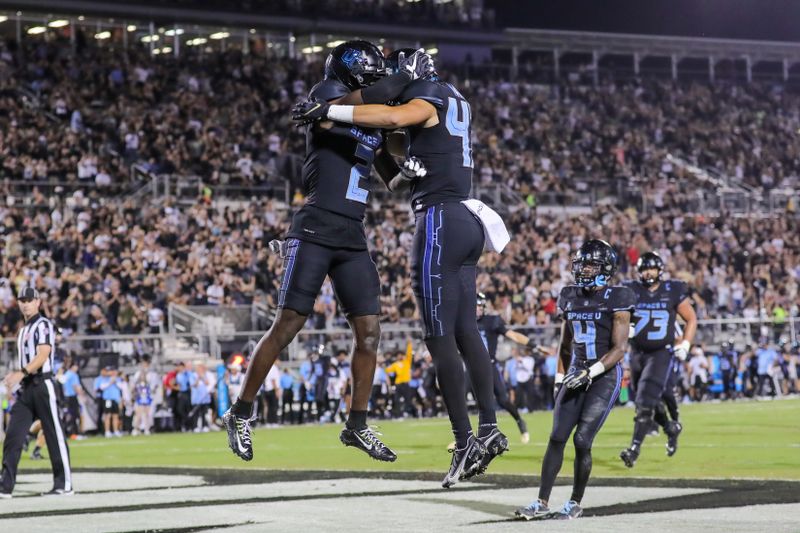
165	348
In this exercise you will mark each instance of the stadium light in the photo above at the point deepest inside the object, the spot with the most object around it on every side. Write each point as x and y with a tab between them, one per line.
166	50
60	23
334	44
3	18
148	38
81	18
172	33
131	27
220	35
252	31
102	35
197	41
36	30
311	49
156	51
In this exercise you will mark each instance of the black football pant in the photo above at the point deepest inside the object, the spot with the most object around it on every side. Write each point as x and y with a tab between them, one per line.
584	411
650	372
448	242
36	401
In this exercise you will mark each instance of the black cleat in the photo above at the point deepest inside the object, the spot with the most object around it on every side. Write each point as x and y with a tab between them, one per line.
367	439
672	430
629	456
524	436
239	438
496	444
464	460
59	492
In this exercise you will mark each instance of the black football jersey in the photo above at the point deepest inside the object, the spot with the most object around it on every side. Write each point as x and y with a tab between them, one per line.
445	149
590	315
655	314
491	327
336	178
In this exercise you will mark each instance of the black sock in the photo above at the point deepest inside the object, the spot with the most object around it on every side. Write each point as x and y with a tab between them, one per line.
551	465
36	449
450	374
357	420
242	409
583	467
660	417
672	405
485	429
640	430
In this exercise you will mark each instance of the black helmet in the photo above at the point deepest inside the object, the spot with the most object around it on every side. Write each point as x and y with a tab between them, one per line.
648	261
357	64
594	264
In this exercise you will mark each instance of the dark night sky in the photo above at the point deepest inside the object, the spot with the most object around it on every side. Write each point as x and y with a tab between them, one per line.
774	20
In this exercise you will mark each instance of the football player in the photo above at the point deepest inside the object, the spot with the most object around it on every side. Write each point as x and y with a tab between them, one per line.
596	317
653	345
327	238
491	326
448	241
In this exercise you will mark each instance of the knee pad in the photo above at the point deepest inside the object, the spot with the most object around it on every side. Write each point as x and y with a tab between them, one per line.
644	414
582	440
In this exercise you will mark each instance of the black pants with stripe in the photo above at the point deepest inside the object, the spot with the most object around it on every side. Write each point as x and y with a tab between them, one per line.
36	400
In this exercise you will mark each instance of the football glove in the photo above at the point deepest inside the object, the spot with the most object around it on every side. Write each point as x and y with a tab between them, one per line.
578	379
557	384
417	65
681	350
411	169
310	111
278	247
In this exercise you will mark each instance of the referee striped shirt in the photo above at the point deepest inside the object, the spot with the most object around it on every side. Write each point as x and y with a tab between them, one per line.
37	331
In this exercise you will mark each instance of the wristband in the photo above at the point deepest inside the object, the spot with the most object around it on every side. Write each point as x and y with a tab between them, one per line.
341	113
683	345
596	369
559	378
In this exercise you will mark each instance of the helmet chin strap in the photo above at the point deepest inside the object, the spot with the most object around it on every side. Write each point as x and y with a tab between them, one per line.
600	281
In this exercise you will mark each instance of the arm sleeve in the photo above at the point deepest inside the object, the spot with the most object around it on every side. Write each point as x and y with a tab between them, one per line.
423	90
386	89
328	90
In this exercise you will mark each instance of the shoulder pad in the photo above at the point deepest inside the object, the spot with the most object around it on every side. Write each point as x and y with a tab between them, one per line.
424	90
623	298
567	294
328	90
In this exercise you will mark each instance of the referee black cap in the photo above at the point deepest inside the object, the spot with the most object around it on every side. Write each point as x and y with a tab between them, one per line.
28	294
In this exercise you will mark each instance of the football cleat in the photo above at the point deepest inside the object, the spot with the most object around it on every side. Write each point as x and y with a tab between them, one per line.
571	509
629	456
672	430
59	492
239	434
367	440
524	436
536	510
467	459
496	444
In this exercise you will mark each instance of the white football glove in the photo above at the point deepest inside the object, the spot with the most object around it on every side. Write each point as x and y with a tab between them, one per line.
681	350
279	247
413	168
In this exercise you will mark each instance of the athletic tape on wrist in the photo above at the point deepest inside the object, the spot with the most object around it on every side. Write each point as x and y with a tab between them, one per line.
341	113
596	369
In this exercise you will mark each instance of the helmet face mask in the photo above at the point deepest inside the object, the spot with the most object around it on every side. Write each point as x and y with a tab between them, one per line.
594	264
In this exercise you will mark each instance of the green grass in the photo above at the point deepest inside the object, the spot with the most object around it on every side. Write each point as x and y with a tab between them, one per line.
730	440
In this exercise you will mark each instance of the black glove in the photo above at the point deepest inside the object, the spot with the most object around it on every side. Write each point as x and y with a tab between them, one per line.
578	379
417	65
310	111
278	247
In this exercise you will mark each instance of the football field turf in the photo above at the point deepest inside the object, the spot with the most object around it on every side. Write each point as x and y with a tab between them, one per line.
720	440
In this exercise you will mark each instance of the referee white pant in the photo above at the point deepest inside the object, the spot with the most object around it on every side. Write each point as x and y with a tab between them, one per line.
36	400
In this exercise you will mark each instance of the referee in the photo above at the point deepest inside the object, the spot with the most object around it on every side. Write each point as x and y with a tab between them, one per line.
36	399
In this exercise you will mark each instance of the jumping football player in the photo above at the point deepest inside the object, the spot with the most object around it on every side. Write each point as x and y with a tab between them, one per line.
327	238
491	326
653	345
596	317
448	242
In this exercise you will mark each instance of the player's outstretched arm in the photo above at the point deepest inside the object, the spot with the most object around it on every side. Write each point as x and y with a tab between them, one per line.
519	338
417	111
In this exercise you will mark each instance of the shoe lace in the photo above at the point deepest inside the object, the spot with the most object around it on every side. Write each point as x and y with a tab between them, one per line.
568	506
370	434
535	505
243	428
